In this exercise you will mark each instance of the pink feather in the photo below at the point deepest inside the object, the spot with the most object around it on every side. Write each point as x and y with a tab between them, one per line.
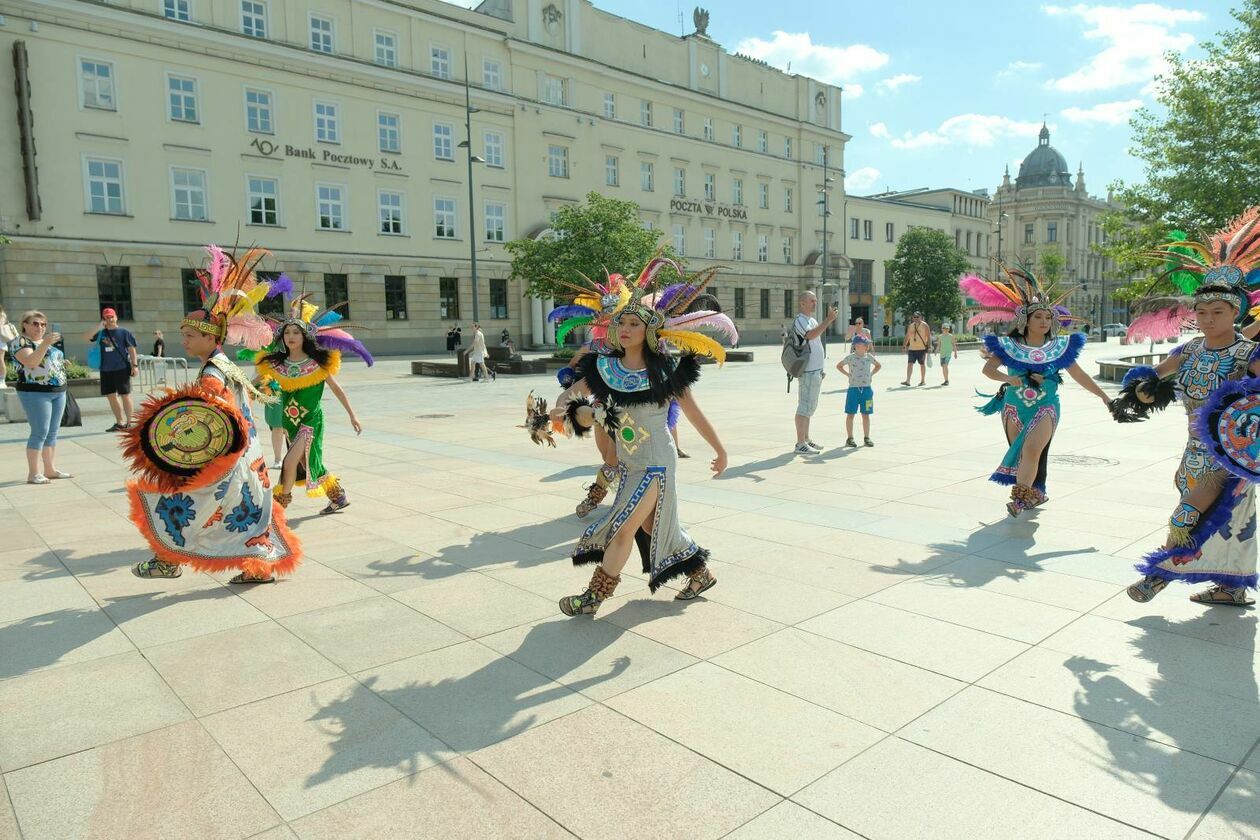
715	321
219	266
993	316
1157	326
653	268
249	331
981	291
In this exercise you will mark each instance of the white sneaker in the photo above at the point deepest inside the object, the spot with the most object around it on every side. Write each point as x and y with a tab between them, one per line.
804	449
813	445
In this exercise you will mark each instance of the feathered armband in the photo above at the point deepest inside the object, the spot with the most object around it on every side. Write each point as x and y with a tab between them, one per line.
581	414
538	421
1143	392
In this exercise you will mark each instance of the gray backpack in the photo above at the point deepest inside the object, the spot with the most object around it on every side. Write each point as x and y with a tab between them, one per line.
795	355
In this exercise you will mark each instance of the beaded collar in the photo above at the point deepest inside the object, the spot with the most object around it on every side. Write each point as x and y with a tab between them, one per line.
1048	353
619	377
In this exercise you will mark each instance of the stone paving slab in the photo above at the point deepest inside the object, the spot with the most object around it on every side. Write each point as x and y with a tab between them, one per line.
887	654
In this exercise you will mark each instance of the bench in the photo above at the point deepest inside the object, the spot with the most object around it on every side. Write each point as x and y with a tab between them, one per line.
446	369
1113	370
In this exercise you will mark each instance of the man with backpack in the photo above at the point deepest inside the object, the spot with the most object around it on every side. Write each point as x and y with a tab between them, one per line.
803	356
116	351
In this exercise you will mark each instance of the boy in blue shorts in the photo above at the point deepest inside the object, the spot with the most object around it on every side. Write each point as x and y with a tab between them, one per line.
859	366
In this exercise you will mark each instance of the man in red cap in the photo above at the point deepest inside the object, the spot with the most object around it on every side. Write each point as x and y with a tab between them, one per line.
118	366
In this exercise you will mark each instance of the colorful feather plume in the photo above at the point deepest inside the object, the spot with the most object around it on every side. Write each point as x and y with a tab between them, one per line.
570	325
572	310
705	319
689	341
990	294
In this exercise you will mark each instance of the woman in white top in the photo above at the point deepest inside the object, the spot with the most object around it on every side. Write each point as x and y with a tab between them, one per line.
8	333
477	356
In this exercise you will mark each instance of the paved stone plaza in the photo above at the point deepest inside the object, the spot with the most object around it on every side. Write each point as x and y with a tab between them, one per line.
886	654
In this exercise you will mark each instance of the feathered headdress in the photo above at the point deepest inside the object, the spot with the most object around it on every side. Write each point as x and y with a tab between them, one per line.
325	327
593	305
669	313
1014	299
230	293
1230	258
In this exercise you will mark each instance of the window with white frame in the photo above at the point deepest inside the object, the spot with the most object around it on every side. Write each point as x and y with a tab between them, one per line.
180	10
327	125
680	121
737	245
558	161
96	81
321	34
491	74
680	182
855	226
258	111
710	187
181	94
263	195
388	133
787	147
787	199
493	145
710	243
763	196
737	191
708	129
104	185
787	250
553	90
868	230
386	44
389	208
763	248
439	61
645	113
737	136
496	221
610	106
443	141
330	206
444	217
612	171
680	240
188	195
889	231
647	176
819	153
763	141
254	18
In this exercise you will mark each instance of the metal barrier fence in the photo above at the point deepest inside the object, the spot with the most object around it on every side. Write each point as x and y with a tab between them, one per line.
161	371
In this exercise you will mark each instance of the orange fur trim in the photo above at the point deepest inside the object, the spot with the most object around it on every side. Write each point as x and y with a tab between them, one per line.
156	479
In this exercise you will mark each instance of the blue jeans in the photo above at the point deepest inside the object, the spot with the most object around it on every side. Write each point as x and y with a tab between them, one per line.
44	410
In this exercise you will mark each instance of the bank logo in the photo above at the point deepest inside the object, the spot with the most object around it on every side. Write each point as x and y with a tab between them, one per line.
264	147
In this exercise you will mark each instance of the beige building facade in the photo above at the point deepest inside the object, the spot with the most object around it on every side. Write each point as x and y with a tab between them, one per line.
329	132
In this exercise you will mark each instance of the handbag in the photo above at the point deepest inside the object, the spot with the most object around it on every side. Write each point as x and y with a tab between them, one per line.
73	416
94	355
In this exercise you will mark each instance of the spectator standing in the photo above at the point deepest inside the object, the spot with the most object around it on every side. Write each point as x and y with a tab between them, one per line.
8	335
948	347
809	385
858	328
41	388
450	341
118	366
918	341
477	356
159	344
859	366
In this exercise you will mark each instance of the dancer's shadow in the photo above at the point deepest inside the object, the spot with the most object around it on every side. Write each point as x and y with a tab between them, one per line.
565	475
753	469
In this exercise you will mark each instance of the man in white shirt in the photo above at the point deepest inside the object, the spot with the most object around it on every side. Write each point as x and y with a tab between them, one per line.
810	383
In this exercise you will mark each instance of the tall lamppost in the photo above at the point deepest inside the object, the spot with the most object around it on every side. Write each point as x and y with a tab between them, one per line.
466	143
824	202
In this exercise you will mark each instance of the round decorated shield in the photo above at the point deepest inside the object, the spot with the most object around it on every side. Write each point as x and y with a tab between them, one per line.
1230	425
188	433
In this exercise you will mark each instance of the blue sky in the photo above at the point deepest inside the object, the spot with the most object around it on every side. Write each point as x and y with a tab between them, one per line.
947	94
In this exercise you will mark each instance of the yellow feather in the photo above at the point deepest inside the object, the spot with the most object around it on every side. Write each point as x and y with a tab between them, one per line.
251	299
690	341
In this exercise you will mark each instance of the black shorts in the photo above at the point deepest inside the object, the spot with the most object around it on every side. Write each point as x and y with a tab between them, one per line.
115	382
916	356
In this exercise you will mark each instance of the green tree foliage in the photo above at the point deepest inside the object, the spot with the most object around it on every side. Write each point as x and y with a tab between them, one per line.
602	234
923	276
1201	147
1051	268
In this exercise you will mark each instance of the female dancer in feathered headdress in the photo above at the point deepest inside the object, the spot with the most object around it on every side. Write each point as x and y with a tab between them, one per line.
306	356
1035	354
1211	534
628	392
202	496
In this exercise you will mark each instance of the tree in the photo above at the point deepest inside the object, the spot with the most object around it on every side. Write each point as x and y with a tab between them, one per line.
1052	262
602	234
1201	148
923	276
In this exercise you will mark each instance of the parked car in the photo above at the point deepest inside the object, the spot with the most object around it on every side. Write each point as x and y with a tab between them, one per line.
1110	330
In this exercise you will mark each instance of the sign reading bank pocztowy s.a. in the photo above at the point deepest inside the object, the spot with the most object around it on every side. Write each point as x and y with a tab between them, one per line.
272	150
708	208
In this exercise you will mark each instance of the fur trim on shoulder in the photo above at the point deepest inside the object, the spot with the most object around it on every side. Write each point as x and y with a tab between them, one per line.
668	380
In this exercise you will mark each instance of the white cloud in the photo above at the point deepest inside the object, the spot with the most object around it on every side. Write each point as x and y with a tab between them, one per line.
891	84
1015	68
1107	113
1134	41
853	90
834	65
863	179
968	130
880	130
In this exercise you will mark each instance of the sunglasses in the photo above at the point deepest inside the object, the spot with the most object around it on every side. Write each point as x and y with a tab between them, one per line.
37	323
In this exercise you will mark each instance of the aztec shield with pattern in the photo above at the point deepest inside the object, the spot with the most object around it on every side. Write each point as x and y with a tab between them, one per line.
1229	424
187	433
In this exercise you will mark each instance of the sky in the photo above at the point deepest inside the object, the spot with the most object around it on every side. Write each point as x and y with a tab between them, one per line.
948	94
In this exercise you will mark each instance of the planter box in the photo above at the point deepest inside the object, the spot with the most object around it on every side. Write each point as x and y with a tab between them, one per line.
12	406
449	370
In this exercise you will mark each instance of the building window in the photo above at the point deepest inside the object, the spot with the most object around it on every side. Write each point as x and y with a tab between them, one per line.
737	136
264	201
968	242
498	298
763	248
321	34
448	298
763	196
177	10
890	232
680	121
493	145
258	112
710	243
389	206
113	289
97	81
444	218
868	230
855	227
553	92
680	240
710	187
1052	231
1028	234
558	161
645	113
787	199
387	132
182	98
737	191
765	303
440	62
395	297
647	179
443	142
957	237
787	250
496	221
739	303
737	246
787	303
254	18
326	125
104	186
763	141
190	285
386	49
610	106
787	147
491	74
188	195
330	207
337	291
708	129
680	182
612	171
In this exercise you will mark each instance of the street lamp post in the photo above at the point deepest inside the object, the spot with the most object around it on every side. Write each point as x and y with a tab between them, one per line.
824	202
469	110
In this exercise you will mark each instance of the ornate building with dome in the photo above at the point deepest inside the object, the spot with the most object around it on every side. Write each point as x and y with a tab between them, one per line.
1043	210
